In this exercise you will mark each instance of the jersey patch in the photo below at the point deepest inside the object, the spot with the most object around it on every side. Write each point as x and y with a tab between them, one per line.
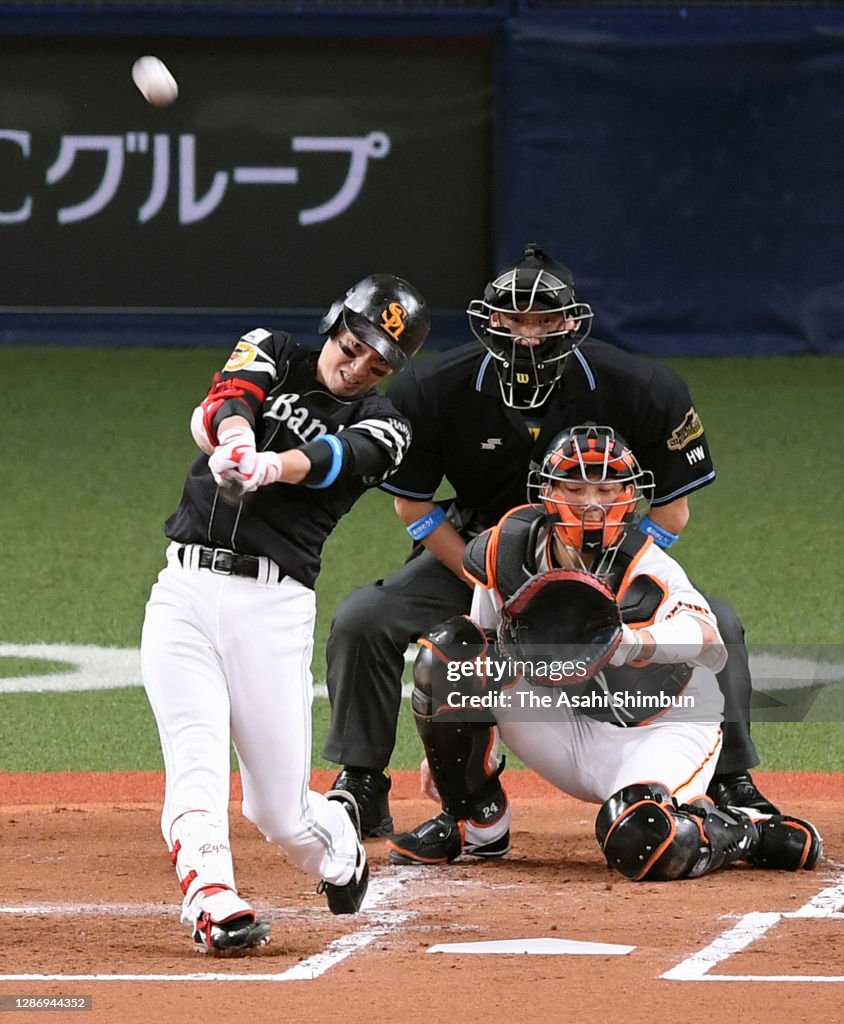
690	428
244	354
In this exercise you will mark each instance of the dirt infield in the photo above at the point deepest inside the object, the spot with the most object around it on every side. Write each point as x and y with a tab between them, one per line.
87	889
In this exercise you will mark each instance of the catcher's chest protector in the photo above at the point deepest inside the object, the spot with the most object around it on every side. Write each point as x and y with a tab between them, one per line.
502	557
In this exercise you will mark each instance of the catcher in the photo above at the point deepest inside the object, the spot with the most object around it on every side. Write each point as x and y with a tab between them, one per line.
593	656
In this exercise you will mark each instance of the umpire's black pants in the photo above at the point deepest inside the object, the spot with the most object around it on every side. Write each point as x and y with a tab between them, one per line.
374	625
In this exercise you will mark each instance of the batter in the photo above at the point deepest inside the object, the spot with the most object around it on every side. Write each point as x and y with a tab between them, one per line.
289	439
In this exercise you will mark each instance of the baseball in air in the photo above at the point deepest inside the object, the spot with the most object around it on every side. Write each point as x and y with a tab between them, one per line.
156	83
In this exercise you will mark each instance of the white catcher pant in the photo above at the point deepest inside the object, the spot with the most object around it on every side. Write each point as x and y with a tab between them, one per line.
591	760
227	659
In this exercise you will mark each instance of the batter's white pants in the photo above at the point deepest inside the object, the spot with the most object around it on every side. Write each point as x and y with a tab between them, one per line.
226	659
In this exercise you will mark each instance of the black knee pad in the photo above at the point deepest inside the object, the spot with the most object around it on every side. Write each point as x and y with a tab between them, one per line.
644	837
457	641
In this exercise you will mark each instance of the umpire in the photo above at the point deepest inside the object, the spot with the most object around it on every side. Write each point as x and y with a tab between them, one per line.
481	417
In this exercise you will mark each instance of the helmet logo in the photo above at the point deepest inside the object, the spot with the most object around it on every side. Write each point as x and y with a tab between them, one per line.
522	378
393	320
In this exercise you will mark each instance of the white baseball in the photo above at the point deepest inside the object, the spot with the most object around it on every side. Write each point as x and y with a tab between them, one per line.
154	80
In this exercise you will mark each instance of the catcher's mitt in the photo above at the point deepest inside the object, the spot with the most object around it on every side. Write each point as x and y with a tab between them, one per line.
563	617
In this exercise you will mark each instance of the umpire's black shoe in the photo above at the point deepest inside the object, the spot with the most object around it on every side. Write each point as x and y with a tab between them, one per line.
738	791
371	790
440	841
348	897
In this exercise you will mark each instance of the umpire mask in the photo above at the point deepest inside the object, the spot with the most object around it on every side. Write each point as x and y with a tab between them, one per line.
529	364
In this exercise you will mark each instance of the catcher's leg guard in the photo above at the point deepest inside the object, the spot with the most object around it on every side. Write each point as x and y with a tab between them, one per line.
787	844
458	751
645	836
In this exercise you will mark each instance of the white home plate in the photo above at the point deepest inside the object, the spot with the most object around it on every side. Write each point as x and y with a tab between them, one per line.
555	947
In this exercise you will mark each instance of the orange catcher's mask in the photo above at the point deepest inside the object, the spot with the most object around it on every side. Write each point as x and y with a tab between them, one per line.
592	486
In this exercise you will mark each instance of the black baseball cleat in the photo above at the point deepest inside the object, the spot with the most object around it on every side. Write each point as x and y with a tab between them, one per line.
440	841
231	937
738	791
371	789
348	897
786	844
226	924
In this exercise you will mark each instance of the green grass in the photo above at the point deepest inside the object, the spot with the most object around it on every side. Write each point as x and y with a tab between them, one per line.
15	668
107	730
102	447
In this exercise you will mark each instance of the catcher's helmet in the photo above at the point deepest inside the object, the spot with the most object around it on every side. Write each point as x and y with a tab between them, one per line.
594	455
386	313
536	284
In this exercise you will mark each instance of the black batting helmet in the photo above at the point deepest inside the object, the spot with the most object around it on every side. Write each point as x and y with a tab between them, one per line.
385	312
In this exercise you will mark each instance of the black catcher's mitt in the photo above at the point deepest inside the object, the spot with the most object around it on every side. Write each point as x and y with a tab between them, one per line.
564	624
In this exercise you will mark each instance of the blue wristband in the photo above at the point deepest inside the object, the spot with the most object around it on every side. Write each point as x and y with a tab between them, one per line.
336	462
426	524
660	535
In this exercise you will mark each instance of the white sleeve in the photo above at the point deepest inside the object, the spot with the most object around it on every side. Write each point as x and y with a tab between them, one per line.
681	597
680	620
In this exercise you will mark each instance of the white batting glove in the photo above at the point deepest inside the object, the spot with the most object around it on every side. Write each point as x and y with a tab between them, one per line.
629	648
258	470
234	454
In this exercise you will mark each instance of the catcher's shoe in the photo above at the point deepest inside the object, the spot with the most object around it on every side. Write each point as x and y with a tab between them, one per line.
348	897
738	791
227	924
786	844
371	790
440	841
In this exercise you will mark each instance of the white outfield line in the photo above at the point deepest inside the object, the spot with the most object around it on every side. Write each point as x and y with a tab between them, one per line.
377	922
100	668
826	905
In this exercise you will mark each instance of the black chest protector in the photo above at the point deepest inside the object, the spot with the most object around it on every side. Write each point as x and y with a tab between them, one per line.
504	557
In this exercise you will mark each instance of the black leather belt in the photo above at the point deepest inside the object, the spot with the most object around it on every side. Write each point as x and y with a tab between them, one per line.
225	562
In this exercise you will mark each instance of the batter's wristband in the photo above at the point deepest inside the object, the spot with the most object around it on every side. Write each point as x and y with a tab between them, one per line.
426	524
336	462
660	535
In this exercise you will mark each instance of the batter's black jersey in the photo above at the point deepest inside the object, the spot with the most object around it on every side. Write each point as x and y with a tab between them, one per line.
463	432
289	523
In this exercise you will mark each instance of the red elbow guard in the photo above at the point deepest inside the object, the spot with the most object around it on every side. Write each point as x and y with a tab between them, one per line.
233	394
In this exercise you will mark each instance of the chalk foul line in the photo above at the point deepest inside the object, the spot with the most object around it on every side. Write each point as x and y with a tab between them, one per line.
377	920
826	904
